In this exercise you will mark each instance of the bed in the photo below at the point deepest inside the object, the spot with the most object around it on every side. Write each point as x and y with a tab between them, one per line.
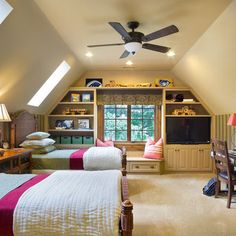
66	203
24	123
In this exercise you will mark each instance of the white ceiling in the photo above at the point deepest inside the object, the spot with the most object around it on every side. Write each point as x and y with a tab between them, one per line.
84	22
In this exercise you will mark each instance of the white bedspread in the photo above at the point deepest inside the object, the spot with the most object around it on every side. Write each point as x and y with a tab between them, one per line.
71	203
102	158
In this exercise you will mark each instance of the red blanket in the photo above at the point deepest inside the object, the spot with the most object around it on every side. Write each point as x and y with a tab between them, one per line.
9	201
76	159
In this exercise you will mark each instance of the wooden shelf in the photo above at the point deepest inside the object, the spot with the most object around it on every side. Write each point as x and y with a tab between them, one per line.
71	116
76	103
187	116
183	103
70	130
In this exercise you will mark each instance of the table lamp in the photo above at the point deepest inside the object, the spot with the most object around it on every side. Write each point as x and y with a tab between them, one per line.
232	122
4	117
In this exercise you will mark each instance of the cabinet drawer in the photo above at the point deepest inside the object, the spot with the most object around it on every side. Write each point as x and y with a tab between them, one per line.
144	166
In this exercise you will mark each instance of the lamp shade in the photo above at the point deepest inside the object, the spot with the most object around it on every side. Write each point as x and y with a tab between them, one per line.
4	116
232	120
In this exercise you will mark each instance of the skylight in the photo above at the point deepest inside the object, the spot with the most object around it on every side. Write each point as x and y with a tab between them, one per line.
50	84
5	10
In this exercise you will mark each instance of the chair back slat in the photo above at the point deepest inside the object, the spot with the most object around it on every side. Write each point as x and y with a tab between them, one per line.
221	157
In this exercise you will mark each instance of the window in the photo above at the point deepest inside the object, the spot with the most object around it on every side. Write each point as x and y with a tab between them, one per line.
129	122
5	10
50	84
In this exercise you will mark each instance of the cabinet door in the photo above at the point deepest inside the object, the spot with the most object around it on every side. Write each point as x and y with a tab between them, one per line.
170	163
182	158
205	163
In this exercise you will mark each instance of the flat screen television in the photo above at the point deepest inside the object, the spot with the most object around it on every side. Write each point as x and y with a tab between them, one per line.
188	130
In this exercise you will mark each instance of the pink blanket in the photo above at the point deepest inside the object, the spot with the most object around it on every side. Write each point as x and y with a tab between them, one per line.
76	159
9	201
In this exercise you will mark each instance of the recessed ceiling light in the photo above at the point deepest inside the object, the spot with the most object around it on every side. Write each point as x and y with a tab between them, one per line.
170	53
129	63
88	54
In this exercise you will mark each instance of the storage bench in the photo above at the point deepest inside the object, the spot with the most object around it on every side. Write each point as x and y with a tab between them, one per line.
137	164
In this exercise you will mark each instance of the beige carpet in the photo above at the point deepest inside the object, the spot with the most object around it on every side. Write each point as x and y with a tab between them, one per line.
173	204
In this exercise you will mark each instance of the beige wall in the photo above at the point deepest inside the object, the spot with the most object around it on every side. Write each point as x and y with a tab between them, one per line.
30	50
209	67
128	77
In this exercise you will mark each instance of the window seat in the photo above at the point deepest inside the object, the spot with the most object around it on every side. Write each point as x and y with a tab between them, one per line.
137	164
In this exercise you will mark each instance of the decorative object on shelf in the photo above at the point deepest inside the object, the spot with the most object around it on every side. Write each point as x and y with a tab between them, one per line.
75	97
164	83
178	97
96	82
75	111
144	85
86	97
83	124
112	83
64	124
232	122
66	111
184	111
169	97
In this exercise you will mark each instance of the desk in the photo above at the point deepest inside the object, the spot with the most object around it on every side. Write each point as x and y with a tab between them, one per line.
17	160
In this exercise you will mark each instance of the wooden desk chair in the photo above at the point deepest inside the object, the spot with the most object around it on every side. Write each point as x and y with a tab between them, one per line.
224	168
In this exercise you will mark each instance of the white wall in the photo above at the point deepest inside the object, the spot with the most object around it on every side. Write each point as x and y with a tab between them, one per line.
30	50
209	67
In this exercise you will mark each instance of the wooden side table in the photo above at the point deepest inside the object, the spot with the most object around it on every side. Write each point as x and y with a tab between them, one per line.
17	160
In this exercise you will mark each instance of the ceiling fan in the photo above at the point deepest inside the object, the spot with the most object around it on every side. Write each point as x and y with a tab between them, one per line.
133	40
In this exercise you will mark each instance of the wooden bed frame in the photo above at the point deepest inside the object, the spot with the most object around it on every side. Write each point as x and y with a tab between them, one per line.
24	123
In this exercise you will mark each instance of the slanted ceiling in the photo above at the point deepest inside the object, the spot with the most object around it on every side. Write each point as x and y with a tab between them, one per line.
31	50
209	67
33	45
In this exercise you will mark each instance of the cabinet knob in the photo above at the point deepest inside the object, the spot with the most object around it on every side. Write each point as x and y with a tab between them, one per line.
137	167
152	167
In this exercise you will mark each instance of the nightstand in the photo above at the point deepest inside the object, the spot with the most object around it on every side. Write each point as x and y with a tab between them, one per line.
17	160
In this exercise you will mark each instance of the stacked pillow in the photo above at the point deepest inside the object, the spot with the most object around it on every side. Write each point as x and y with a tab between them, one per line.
39	142
153	150
108	143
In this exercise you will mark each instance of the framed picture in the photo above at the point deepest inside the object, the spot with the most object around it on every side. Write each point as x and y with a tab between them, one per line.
93	82
75	97
83	124
86	97
64	124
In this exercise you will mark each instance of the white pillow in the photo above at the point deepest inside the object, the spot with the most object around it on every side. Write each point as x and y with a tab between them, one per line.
37	143
38	135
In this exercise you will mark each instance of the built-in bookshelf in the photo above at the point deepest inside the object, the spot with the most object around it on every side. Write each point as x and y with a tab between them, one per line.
72	121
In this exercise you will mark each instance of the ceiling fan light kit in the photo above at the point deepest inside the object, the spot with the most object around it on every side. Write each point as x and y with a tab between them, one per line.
133	40
133	47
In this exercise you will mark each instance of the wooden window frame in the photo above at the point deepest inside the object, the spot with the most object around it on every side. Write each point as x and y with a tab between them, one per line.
157	127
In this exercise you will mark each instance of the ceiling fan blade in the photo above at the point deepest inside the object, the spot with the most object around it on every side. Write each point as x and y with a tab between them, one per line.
125	54
120	29
156	48
104	45
160	33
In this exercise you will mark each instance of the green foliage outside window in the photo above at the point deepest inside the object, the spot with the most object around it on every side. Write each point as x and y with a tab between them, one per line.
139	118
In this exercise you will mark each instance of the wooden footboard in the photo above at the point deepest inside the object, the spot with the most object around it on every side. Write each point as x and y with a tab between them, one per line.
126	220
124	161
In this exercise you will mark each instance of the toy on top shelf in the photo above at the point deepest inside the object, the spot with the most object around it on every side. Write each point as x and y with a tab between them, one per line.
184	111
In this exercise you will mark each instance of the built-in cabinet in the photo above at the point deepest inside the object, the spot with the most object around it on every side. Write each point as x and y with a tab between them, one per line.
188	158
178	156
72	122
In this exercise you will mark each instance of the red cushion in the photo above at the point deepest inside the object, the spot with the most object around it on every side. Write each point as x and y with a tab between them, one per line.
153	150
108	143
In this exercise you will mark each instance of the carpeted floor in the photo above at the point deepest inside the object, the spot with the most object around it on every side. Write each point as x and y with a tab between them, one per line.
173	205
